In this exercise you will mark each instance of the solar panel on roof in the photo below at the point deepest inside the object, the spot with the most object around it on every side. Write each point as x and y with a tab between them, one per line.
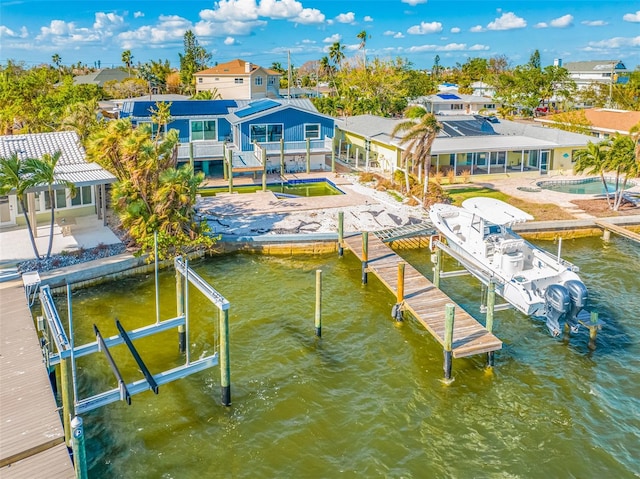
448	96
256	107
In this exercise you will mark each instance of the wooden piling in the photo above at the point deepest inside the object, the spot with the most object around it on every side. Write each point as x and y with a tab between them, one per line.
282	158
340	233
308	156
437	267
398	316
448	339
230	164
66	387
225	371
318	318
79	450
365	255
491	302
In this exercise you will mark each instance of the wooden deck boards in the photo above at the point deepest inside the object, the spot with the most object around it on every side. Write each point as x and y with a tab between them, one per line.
624	232
30	426
424	301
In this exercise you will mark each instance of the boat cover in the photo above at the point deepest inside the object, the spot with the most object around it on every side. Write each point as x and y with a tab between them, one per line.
495	211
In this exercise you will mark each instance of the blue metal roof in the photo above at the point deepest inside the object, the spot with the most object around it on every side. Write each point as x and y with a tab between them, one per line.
448	96
181	108
256	107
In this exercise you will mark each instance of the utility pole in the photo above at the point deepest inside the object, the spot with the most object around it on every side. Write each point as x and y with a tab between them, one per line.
289	74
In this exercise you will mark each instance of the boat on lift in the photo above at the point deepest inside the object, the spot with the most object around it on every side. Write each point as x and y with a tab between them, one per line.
479	235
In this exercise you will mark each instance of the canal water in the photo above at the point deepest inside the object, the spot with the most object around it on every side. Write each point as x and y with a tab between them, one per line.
367	399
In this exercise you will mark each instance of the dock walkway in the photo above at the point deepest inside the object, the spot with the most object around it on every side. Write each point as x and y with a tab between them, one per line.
425	302
624	232
31	432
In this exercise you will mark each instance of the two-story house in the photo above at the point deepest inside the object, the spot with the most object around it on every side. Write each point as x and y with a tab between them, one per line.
239	80
586	74
291	134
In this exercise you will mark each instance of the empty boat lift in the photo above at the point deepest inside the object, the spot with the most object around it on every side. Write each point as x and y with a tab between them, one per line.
58	349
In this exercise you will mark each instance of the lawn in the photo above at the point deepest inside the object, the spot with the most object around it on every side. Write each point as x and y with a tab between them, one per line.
540	211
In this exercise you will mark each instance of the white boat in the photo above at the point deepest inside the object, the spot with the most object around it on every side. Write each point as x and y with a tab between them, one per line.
537	283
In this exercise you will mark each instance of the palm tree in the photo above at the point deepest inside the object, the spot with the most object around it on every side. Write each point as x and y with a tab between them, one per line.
594	159
336	54
127	59
41	172
363	36
13	178
621	158
420	133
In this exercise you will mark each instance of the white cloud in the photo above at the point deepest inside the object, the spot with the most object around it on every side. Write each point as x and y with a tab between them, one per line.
594	23
476	29
346	17
413	3
367	18
279	9
399	35
309	16
7	32
336	37
508	21
632	17
229	41
138	14
616	42
425	28
562	22
541	25
389	33
232	10
450	47
455	30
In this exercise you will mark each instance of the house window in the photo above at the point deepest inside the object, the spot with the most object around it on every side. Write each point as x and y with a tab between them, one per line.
83	196
258	81
457	106
272	80
266	133
203	130
490	106
238	81
199	79
312	131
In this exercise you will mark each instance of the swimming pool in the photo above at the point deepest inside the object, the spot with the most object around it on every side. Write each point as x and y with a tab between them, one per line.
286	189
582	186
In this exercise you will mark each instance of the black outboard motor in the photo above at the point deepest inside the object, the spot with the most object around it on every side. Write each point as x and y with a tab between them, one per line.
578	293
557	305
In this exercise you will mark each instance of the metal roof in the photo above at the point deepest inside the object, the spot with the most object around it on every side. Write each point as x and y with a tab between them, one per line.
182	108
257	106
72	165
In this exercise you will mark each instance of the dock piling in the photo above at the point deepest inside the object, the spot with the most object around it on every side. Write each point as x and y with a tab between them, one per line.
318	318
397	309
340	233
437	267
448	339
491	302
593	330
365	255
78	447
225	372
182	335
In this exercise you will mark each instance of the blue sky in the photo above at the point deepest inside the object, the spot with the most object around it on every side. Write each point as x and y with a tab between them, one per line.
265	31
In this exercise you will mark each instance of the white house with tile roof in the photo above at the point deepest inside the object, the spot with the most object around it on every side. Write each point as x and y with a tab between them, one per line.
90	179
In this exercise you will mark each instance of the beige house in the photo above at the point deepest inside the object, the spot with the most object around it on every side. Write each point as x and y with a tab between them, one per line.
239	80
600	122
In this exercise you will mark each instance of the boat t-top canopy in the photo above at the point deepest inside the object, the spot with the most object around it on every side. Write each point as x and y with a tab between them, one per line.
495	211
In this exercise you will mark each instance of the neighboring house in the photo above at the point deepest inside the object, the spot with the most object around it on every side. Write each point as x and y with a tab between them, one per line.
90	179
466	143
209	130
100	77
483	89
454	103
239	80
601	122
300	92
585	74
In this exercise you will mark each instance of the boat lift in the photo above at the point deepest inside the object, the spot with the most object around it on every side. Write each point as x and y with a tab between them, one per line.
58	349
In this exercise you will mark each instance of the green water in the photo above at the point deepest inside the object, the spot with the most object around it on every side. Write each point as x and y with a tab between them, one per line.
321	188
366	400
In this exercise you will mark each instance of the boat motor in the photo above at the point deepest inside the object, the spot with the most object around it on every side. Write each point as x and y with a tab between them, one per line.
557	305
578	294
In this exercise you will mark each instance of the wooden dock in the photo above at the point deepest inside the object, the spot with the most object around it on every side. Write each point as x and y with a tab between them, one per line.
31	432
619	230
424	301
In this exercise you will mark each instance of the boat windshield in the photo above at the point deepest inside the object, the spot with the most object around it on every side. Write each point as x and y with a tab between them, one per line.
491	230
